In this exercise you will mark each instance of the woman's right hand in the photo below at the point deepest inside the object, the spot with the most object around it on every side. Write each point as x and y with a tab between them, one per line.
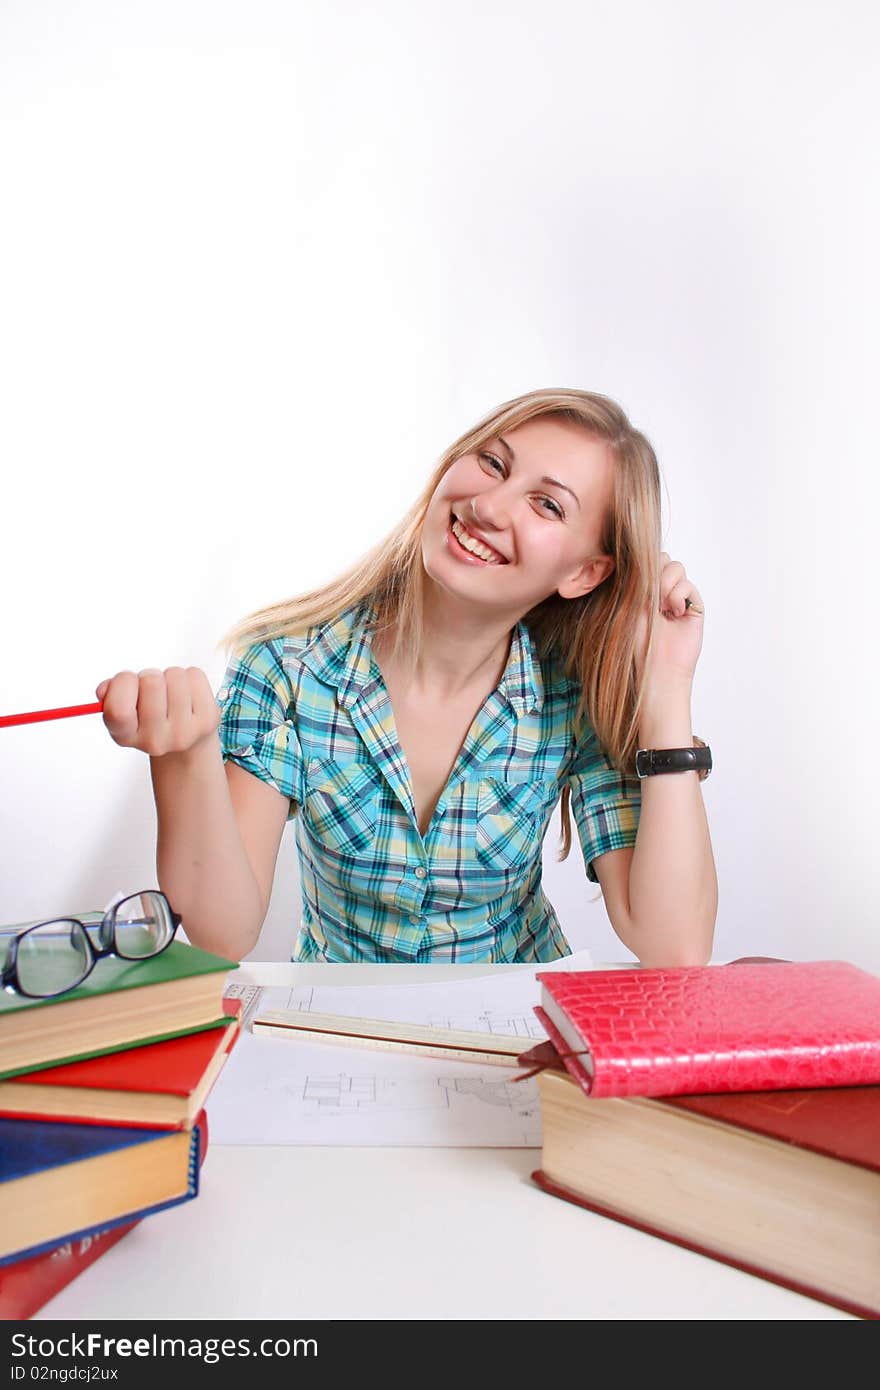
160	712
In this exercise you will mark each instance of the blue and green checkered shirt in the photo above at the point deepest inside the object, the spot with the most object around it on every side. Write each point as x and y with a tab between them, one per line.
311	716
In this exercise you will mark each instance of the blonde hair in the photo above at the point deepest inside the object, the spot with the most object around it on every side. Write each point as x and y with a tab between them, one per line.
593	639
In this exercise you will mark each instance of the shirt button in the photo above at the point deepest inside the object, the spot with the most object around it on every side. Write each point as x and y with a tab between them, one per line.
421	873
415	921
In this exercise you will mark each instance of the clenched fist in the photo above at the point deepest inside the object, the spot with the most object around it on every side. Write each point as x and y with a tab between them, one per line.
160	712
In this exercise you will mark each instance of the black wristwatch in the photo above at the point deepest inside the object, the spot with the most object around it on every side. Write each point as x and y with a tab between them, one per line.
651	761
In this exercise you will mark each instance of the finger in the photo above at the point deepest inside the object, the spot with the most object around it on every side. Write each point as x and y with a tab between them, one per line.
120	706
674	605
673	574
677	599
666	560
670	573
101	690
205	707
152	705
179	700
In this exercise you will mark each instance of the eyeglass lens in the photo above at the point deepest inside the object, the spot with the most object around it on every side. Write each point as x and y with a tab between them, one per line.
53	957
143	925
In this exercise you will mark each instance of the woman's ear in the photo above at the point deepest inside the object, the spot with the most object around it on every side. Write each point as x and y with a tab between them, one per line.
587	577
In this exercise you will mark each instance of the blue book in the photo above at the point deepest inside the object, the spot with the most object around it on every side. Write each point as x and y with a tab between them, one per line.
60	1182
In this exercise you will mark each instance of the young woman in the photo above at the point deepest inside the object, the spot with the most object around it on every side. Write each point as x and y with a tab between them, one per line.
518	638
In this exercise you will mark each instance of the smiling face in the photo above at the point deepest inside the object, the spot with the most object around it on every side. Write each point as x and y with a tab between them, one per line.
521	518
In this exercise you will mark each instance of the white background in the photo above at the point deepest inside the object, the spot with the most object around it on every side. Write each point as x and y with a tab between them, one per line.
262	264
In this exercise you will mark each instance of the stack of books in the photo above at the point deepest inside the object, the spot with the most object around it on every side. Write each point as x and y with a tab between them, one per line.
102	1110
733	1110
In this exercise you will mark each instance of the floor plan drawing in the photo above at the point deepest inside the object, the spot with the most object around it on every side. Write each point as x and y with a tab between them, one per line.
275	1091
296	1090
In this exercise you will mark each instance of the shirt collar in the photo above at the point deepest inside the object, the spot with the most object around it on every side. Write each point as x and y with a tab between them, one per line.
341	655
522	681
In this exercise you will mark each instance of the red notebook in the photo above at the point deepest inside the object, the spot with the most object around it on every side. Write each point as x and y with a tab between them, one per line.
160	1086
690	1030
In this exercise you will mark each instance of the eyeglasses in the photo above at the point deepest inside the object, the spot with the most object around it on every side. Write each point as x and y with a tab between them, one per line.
50	958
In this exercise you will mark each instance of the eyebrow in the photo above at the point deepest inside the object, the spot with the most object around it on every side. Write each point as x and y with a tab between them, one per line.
554	482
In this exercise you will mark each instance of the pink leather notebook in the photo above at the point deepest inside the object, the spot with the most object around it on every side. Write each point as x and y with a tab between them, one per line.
698	1029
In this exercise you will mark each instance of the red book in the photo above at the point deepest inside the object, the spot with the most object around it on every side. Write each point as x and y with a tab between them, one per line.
784	1185
27	1285
159	1086
745	1026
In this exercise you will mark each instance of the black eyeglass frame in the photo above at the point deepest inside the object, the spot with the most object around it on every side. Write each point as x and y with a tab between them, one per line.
107	944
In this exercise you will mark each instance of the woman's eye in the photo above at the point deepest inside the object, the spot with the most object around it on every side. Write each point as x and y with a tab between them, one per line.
548	504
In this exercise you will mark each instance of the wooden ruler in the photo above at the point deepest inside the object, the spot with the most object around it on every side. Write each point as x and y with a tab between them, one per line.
492	1049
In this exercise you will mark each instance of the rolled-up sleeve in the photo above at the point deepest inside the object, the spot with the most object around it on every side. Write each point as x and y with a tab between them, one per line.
257	720
605	803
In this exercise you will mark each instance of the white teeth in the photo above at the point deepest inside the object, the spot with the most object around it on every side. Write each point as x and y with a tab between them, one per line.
474	546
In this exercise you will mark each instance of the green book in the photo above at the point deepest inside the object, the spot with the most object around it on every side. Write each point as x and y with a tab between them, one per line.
122	1004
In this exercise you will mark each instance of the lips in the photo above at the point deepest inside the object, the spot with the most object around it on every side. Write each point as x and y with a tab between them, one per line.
500	558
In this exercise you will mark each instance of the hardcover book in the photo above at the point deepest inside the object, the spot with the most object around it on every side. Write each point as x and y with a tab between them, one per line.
123	1003
28	1283
158	1085
744	1026
784	1184
64	1182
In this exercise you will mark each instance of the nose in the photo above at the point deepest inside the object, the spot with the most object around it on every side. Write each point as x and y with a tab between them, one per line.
489	509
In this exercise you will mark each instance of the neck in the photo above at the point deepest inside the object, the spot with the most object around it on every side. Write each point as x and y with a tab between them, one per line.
462	647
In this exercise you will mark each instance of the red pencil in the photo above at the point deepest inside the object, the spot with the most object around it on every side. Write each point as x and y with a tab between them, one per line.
35	715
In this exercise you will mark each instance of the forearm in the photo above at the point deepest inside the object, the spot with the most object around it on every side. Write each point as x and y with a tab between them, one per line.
201	861
673	887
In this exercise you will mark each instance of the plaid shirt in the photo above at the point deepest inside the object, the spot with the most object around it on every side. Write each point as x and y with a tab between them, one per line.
311	716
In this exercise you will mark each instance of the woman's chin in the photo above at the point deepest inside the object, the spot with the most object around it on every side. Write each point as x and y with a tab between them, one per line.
443	574
475	583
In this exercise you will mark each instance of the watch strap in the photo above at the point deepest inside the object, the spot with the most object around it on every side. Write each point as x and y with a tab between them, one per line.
652	761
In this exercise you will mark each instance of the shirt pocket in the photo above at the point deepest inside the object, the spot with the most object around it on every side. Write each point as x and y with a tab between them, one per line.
510	820
340	804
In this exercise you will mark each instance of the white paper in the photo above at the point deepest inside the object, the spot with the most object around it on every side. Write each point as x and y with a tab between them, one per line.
285	1091
290	1091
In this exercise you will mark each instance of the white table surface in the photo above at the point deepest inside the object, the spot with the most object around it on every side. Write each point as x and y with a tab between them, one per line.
383	1233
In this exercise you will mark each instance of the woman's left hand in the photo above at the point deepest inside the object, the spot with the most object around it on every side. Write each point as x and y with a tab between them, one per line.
678	635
